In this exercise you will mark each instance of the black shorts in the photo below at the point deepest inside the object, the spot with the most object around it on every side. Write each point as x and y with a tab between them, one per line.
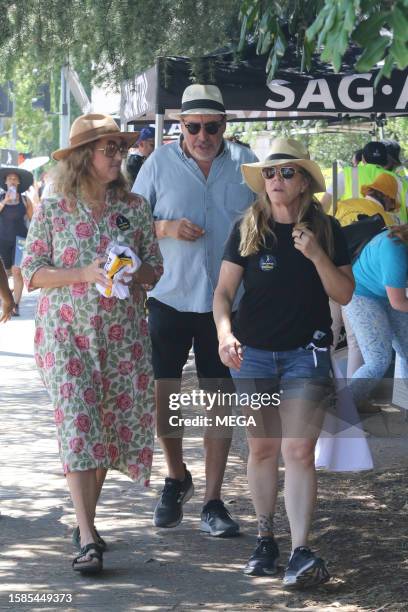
7	253
173	333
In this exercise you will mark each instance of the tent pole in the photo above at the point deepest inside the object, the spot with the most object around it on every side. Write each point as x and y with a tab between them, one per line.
334	183
159	124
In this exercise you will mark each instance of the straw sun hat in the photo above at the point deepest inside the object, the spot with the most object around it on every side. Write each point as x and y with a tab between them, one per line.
201	100
88	128
283	151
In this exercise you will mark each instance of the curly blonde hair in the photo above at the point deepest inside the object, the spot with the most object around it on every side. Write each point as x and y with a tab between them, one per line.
258	222
74	178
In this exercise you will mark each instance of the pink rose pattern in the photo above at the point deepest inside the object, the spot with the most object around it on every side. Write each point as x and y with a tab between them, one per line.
58	416
69	256
79	289
39	247
84	230
39	336
58	224
49	360
94	353
61	334
82	342
67	313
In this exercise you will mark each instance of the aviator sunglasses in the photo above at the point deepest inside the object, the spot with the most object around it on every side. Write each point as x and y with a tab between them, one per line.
111	148
285	172
211	127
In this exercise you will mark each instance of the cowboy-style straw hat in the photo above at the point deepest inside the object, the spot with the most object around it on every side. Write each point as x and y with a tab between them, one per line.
283	151
201	100
26	178
88	128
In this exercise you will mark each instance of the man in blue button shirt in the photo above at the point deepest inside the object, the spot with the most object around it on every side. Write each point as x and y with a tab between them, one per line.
196	192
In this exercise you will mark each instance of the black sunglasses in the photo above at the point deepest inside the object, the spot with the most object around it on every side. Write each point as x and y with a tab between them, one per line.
212	127
285	172
111	148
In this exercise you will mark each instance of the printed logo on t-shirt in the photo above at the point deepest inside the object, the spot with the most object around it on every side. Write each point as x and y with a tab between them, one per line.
267	263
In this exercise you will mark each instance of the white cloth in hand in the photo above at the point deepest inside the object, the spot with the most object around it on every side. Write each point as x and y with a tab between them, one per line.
116	268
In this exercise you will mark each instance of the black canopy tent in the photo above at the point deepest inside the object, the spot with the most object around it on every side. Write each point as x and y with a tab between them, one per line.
320	93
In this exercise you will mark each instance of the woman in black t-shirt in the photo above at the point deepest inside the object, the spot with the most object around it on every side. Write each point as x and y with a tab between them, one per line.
15	209
291	258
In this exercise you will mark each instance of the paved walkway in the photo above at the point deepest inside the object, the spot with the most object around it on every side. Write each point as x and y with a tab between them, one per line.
146	569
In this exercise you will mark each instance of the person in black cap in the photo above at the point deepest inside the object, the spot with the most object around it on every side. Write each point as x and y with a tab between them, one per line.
145	147
357	157
14	209
395	165
393	152
373	162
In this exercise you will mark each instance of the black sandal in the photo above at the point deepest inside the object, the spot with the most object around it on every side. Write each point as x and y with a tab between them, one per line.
76	539
93	565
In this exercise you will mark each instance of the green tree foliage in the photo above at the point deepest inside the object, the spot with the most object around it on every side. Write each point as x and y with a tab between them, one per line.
37	131
380	28
117	38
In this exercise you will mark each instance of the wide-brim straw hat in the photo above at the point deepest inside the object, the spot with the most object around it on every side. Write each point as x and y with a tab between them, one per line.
284	151
385	183
26	177
91	127
201	100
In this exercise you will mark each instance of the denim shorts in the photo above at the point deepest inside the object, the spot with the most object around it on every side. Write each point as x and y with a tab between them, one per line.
298	373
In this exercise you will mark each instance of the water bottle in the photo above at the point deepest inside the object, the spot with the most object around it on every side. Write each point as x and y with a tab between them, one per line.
13	193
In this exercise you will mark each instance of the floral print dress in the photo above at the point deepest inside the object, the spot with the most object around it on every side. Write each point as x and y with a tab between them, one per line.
94	352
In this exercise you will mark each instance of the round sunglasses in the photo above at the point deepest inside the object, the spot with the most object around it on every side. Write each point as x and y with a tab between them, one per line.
285	172
111	148
212	127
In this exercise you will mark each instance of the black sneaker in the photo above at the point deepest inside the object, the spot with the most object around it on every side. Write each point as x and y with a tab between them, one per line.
305	569
217	521
175	493
264	559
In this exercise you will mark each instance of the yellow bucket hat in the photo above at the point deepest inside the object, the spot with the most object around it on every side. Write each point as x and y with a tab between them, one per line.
385	183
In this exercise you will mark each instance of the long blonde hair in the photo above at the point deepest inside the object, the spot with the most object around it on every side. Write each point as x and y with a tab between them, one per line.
74	178
258	223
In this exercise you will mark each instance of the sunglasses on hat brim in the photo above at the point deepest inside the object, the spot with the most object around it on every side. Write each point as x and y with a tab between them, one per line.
211	127
285	172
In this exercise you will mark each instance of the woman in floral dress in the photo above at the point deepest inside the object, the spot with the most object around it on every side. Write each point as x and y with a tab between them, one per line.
93	352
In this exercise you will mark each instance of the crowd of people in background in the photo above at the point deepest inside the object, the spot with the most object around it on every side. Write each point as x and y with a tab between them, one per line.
237	259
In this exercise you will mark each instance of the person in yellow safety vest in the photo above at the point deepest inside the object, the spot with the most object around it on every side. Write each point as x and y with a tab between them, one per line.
357	157
380	197
397	166
350	179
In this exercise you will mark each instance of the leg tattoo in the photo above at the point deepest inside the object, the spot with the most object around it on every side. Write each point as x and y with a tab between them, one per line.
265	523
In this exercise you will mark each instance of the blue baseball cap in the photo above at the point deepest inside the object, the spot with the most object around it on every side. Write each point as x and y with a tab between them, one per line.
145	134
